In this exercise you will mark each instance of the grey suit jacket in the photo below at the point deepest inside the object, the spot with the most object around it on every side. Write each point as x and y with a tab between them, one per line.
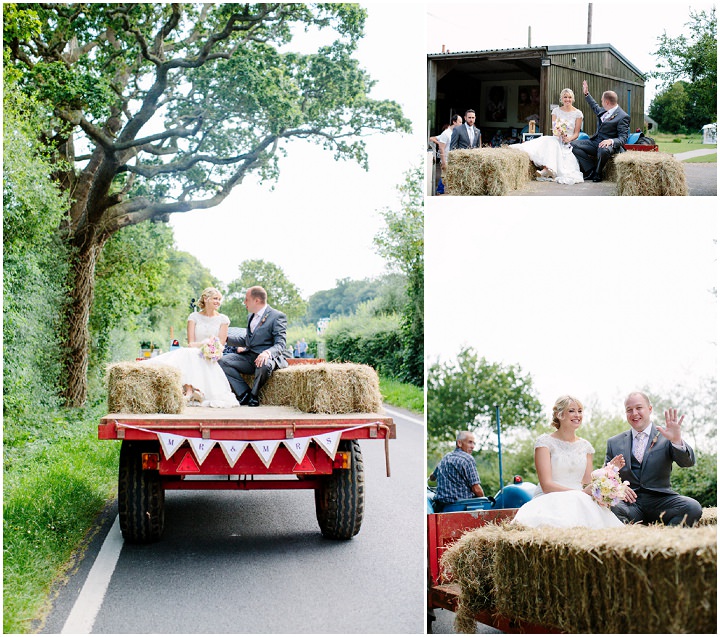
616	127
656	467
269	335
461	140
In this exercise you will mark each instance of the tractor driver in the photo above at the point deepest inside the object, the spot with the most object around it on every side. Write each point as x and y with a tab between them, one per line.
456	474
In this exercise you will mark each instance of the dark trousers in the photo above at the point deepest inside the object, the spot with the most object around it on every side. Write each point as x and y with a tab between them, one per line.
236	364
671	510
591	157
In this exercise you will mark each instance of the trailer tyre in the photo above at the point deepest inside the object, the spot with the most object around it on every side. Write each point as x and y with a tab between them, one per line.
340	500
141	497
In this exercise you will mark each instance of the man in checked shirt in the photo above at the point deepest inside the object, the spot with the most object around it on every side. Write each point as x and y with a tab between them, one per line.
456	474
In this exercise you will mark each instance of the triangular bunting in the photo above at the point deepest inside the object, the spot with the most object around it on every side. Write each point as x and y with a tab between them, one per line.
298	447
201	447
266	450
170	443
329	442
232	449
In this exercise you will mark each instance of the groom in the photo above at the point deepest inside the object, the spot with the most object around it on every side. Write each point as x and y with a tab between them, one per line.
649	451
260	351
611	136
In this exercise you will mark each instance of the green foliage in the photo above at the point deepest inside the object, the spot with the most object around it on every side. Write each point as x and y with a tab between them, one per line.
387	293
366	339
694	60
699	481
57	477
282	293
670	108
402	395
462	395
34	263
401	243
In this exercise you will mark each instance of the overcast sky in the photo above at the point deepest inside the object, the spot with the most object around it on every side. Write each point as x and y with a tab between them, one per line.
319	222
589	296
631	27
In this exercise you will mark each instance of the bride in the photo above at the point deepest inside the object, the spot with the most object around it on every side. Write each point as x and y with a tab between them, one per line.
554	154
564	464
204	381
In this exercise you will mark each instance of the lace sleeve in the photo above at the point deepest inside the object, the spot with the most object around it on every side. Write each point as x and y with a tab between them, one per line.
224	319
587	447
543	441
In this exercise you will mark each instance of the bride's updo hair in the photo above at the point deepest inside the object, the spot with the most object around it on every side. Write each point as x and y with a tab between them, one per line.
206	294
567	91
560	406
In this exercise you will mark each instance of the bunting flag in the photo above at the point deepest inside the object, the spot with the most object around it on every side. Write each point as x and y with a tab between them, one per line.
233	449
298	447
266	450
201	447
329	442
170	443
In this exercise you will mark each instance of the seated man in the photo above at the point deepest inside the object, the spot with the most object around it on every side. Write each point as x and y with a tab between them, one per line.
611	136
456	474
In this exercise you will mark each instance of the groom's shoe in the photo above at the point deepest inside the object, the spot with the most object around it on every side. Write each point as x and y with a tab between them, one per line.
253	401
597	179
590	177
244	398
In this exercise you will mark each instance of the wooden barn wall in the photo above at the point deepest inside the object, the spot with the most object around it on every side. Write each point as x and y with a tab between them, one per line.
603	72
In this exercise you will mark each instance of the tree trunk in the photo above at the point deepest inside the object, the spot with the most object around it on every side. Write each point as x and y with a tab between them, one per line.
77	318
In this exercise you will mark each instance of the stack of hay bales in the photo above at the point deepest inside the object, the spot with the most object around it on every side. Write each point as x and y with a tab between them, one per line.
324	388
487	171
138	388
590	581
649	174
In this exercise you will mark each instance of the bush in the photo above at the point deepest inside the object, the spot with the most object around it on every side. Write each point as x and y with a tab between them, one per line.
369	340
699	481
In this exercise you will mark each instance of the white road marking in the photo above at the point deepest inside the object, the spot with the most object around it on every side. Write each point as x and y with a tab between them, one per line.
397	414
82	616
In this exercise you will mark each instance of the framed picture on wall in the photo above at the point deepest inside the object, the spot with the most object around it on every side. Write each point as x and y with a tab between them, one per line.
528	103
496	104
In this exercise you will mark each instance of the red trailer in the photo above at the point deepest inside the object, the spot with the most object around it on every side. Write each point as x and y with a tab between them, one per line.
242	448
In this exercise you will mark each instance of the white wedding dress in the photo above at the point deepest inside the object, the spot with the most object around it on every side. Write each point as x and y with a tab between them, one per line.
566	509
549	151
207	376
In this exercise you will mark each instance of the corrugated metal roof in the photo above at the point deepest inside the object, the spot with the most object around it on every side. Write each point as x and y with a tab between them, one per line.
561	48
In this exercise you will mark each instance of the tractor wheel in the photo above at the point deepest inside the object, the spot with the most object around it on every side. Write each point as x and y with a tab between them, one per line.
141	497
340	500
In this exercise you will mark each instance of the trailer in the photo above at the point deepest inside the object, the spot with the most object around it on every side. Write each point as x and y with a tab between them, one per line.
242	448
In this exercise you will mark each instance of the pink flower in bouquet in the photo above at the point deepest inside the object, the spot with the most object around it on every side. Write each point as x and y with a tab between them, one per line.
560	127
211	349
606	486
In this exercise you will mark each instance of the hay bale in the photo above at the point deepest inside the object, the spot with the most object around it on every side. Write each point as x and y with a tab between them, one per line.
594	581
709	517
487	171
324	388
138	388
649	174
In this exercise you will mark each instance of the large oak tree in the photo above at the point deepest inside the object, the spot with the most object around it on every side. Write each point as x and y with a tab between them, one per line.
155	109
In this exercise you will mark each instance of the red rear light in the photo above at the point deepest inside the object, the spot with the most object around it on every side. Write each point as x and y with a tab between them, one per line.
150	461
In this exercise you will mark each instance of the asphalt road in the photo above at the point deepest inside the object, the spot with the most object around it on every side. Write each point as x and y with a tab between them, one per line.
255	562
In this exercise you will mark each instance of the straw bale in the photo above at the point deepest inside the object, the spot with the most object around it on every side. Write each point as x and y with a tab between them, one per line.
487	171
324	388
594	581
649	174
138	388
709	516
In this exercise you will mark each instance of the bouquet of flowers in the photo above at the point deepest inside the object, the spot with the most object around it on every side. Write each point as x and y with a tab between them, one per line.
560	128
606	486
211	349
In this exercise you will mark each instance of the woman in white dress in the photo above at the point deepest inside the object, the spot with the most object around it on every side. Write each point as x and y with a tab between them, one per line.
564	463
204	381
554	153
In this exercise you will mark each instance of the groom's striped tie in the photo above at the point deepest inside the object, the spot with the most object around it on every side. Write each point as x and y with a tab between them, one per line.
639	451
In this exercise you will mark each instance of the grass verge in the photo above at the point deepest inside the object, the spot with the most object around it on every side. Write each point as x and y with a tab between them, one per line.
703	159
57	477
402	395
